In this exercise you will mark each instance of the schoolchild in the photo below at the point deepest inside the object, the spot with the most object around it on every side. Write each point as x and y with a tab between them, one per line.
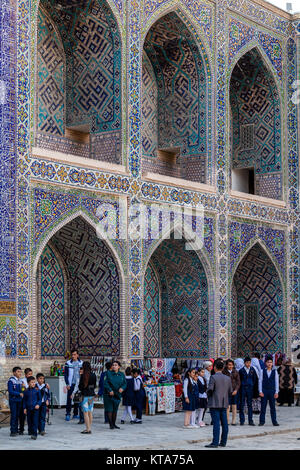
249	384
195	413
139	395
27	373
15	396
190	397
202	401
268	391
128	396
32	403
234	375
45	394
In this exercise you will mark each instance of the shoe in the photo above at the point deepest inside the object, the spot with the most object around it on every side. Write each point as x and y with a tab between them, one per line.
21	433
34	437
132	422
80	422
76	417
242	424
195	426
138	422
261	424
233	424
222	445
68	417
202	424
43	433
86	432
251	424
13	434
116	427
211	446
111	426
122	422
275	424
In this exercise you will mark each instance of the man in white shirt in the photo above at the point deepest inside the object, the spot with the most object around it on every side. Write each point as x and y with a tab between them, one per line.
268	390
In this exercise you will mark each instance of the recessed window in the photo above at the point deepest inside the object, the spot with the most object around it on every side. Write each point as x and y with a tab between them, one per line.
251	317
243	180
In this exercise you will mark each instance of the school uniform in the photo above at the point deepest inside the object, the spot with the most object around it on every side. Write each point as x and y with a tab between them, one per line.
45	394
192	393
249	381
269	386
139	398
128	398
32	397
14	387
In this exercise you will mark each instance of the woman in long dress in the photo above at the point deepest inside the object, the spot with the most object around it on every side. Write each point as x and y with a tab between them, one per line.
287	380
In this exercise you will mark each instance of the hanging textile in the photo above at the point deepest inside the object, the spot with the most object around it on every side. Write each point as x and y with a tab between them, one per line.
170	399
169	365
158	368
161	398
151	394
178	397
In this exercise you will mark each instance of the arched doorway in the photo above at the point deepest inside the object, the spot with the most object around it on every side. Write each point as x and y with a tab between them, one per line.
256	163
79	83
175	303
79	292
174	102
257	305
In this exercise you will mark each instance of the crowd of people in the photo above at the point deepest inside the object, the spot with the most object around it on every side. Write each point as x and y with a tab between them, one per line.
242	386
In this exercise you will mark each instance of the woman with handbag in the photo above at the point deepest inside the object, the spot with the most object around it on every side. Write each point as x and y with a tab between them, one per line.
87	386
114	386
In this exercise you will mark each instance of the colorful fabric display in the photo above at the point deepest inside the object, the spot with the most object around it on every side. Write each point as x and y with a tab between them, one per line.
178	397
151	393
161	398
158	368
169	366
170	399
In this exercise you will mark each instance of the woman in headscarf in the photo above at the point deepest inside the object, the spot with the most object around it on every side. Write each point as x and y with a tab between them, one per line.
256	402
239	363
287	380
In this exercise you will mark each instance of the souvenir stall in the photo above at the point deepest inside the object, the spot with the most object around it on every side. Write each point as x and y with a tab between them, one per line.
159	384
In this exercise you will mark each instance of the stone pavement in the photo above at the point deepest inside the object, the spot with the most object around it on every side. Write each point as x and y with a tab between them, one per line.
158	432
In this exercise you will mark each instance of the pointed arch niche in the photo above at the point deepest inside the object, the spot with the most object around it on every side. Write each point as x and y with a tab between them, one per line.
256	161
78	77
176	303
174	102
78	294
256	306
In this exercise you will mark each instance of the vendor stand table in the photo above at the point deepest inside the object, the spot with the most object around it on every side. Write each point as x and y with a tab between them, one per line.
59	390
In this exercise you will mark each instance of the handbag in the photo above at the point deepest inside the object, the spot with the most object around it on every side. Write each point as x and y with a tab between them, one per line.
78	397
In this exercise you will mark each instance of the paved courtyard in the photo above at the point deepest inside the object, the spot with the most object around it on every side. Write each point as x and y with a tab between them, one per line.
158	432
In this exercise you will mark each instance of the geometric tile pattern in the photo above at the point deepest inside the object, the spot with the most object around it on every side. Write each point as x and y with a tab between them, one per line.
184	300
17	47
51	76
257	283
181	84
254	104
52	306
94	289
151	313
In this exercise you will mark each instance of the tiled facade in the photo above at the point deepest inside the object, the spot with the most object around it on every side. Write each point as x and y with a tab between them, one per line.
40	195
